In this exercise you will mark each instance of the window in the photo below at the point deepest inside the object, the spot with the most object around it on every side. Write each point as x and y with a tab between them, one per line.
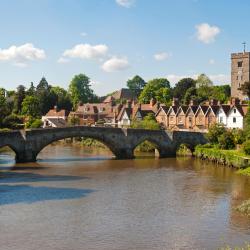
234	110
240	64
234	120
221	119
239	84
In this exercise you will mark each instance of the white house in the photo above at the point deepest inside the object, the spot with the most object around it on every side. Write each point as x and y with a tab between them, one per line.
221	115
235	117
124	118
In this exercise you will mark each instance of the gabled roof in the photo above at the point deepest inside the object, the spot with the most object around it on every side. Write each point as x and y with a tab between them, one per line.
213	108
123	110
203	108
58	122
226	108
174	108
241	108
57	113
183	108
192	108
164	108
124	94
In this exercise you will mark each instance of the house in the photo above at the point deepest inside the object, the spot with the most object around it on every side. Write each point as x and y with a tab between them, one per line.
162	117
200	120
124	118
55	118
211	115
181	117
235	116
190	116
222	114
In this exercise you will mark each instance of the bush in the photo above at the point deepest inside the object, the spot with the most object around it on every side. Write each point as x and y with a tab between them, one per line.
246	147
239	136
226	140
13	121
214	132
34	123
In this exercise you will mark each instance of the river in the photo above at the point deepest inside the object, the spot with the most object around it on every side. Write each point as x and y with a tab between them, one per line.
76	198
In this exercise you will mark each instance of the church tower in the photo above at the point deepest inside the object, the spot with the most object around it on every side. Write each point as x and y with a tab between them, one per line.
240	73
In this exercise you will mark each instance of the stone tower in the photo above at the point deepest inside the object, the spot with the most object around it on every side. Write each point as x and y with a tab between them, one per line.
240	73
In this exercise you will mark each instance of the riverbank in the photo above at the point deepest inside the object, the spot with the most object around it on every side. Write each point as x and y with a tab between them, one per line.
231	158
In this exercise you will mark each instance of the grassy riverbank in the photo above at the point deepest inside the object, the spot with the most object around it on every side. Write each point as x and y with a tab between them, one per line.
231	158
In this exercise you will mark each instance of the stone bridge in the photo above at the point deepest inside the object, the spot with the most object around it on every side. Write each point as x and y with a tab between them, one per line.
122	142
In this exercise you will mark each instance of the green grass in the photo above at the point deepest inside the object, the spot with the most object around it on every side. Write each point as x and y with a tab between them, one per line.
244	208
245	171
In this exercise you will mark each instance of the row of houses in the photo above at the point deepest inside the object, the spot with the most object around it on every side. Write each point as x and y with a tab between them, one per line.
176	117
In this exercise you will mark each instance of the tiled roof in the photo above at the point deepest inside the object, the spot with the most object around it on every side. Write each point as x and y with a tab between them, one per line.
57	113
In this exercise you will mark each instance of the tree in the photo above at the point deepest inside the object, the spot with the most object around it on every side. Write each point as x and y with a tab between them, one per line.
31	90
156	89
191	94
214	132
43	85
80	90
31	106
18	99
62	98
203	80
182	86
136	85
226	140
221	93
245	88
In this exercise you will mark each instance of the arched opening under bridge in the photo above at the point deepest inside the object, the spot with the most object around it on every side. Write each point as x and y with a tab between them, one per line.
147	148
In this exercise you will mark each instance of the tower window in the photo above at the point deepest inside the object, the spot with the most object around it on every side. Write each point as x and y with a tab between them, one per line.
240	64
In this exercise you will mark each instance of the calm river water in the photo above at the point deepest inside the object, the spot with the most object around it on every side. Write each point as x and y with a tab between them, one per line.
74	198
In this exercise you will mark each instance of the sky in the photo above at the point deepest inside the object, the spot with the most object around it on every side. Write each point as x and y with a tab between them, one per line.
113	40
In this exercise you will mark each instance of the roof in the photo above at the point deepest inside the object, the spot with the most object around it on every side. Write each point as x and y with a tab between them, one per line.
123	110
193	108
164	108
242	109
174	108
214	108
183	108
203	108
57	113
58	122
124	94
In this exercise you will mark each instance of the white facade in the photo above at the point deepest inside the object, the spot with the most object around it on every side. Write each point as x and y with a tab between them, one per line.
124	121
221	117
234	119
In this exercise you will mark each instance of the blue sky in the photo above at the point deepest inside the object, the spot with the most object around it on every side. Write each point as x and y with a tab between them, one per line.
113	40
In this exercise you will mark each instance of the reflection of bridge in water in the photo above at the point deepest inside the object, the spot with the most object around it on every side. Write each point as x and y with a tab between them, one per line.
121	142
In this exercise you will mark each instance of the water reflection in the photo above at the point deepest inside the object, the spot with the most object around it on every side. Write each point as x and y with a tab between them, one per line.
77	199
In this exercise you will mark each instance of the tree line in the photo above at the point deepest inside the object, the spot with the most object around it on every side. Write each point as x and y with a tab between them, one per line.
27	105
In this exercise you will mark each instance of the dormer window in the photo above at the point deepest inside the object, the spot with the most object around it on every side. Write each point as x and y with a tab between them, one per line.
240	64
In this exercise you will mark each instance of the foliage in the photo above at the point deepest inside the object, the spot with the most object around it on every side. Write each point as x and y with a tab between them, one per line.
136	85
148	122
214	132
247	122
62	98
245	171
19	97
232	158
13	121
191	94
182	87
239	136
244	208
74	120
203	80
245	88
246	147
146	146
221	93
226	140
184	150
31	106
158	89
34	123
80	90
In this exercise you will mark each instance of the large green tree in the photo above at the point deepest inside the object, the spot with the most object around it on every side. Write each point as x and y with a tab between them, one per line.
18	99
62	98
245	88
158	89
31	106
203	80
136	85
182	86
80	91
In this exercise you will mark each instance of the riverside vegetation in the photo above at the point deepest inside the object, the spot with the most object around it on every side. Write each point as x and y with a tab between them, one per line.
230	148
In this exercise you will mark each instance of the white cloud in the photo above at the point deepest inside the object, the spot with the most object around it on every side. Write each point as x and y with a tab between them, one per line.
206	33
20	55
217	79
125	3
86	51
211	61
161	56
115	64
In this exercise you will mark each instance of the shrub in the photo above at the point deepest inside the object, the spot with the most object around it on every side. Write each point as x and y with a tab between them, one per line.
34	123
239	136
13	121
246	147
226	140
214	132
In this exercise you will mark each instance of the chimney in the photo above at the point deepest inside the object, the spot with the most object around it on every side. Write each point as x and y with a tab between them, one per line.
152	102
56	108
213	102
175	102
235	101
192	103
219	103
